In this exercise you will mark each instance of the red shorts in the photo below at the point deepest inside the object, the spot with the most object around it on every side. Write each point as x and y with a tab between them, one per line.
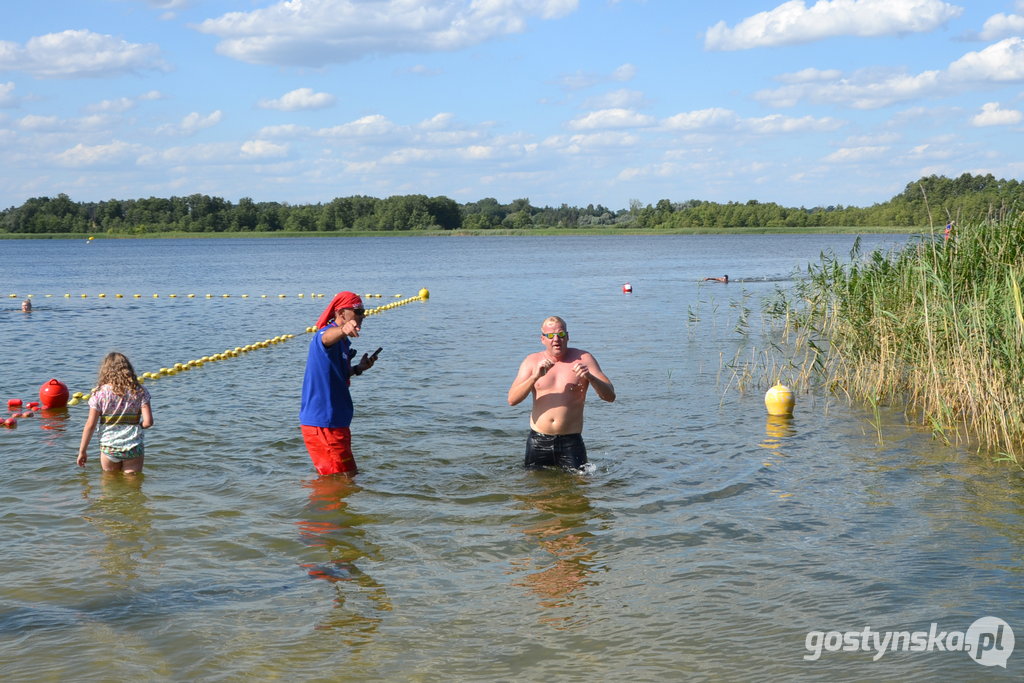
330	449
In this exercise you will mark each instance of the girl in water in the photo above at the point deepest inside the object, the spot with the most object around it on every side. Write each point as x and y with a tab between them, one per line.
120	405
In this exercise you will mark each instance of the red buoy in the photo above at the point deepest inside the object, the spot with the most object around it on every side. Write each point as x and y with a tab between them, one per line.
627	288
13	403
53	394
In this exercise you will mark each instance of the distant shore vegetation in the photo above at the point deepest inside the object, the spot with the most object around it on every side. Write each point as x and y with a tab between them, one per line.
930	201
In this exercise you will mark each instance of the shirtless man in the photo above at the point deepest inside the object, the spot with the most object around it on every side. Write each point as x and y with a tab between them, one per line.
558	377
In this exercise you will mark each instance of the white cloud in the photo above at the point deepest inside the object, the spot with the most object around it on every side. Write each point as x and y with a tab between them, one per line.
811	76
1002	26
76	54
191	124
7	98
298	99
34	122
374	125
287	130
583	143
263	149
117	152
777	123
1000	62
320	32
121	104
624	73
993	115
611	118
714	117
583	79
662	170
622	98
857	154
793	22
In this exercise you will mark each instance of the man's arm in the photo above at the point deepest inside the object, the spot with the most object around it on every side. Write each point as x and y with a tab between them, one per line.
589	369
529	372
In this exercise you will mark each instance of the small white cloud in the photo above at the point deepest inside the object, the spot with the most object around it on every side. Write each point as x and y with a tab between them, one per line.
662	170
263	149
618	99
437	122
117	152
581	79
811	76
299	99
846	155
623	73
423	70
793	23
287	130
121	104
1000	26
7	98
777	123
37	123
611	118
191	124
367	126
77	54
714	117
992	115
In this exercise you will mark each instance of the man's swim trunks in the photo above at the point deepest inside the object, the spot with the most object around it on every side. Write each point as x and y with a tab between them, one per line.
330	449
555	450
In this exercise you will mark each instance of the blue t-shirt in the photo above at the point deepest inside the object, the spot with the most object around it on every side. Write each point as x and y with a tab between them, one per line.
326	401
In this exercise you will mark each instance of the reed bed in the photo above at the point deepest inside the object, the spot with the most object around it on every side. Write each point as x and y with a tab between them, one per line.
935	327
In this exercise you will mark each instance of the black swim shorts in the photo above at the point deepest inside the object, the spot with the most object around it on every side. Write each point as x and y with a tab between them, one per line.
555	450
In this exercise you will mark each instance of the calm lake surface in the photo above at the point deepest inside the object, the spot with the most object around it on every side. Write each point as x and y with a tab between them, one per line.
707	542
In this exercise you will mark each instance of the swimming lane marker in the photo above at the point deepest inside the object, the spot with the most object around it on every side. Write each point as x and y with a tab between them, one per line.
78	396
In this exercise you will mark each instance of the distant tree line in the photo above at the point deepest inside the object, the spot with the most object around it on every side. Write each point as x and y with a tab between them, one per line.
933	200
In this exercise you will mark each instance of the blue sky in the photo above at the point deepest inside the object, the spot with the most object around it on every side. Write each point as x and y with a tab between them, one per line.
560	101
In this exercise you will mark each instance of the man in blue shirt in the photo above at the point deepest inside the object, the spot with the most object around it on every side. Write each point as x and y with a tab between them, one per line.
326	412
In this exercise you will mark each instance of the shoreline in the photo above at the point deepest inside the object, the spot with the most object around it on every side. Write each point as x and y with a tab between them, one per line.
542	232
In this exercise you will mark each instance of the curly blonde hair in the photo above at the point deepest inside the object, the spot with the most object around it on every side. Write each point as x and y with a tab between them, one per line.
117	371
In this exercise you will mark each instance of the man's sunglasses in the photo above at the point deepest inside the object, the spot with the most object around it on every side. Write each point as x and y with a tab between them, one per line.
357	311
551	335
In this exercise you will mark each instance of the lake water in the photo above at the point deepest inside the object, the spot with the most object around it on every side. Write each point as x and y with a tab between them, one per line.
705	545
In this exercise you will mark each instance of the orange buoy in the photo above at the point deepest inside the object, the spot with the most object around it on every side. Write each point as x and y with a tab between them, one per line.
53	394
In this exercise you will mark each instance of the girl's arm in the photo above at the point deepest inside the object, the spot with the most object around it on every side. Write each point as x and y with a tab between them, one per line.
87	430
147	416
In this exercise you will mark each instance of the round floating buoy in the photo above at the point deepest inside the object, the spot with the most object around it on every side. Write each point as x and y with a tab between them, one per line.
779	400
627	288
424	293
53	394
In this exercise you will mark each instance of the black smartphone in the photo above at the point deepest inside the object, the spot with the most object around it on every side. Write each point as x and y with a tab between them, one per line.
377	352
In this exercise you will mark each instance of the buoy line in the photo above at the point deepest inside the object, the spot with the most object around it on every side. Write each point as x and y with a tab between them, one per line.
79	396
190	295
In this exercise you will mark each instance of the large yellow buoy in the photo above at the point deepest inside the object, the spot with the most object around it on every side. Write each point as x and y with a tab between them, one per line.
779	400
424	293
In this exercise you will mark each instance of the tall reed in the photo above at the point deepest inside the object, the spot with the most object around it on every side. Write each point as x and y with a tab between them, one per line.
937	327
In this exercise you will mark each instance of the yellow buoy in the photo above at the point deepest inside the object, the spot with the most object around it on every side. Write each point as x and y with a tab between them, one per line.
779	400
424	293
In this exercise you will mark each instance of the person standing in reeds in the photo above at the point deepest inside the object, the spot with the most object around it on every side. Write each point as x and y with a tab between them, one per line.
948	234
120	406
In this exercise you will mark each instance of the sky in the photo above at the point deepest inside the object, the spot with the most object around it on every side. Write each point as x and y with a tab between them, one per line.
611	102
